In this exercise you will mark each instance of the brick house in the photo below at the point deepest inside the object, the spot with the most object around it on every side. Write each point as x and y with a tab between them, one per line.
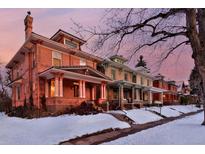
56	68
170	96
130	87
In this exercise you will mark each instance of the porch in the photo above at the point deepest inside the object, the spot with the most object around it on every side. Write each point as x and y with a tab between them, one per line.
127	94
64	89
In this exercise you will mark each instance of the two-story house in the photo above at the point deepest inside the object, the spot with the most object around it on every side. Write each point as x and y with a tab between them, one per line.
170	96
129	86
55	68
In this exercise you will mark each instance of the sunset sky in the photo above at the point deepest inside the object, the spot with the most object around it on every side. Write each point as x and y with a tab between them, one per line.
48	21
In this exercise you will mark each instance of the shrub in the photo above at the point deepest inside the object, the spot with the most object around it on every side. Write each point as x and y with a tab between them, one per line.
5	104
43	103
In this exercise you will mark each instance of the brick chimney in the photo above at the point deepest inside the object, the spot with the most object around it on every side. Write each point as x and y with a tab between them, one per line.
28	22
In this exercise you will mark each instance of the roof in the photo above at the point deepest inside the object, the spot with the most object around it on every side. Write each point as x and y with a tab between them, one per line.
35	38
76	72
62	32
127	68
123	59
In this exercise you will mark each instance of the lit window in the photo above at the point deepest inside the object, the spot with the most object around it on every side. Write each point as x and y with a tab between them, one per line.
57	57
82	62
71	44
52	88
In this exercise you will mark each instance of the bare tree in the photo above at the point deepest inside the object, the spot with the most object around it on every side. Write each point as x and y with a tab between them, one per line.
171	28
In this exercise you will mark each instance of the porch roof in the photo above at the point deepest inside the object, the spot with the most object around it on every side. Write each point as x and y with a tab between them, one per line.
77	73
156	90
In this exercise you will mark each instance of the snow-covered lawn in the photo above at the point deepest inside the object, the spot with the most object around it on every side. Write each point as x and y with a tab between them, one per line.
185	108
52	130
166	111
142	116
184	131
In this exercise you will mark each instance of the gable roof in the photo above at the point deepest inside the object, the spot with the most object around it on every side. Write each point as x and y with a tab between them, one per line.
61	32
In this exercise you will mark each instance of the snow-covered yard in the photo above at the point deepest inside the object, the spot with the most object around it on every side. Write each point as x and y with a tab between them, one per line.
166	111
52	130
141	116
184	109
184	131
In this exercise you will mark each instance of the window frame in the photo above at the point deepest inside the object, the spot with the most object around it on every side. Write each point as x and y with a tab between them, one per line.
56	57
69	45
83	62
113	76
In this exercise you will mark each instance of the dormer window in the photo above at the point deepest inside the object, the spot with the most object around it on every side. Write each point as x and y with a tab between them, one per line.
56	58
71	44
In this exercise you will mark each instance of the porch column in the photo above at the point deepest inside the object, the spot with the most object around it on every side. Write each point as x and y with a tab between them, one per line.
121	96
84	92
137	94
161	97
150	97
103	91
142	98
61	86
46	88
56	86
82	89
93	92
133	94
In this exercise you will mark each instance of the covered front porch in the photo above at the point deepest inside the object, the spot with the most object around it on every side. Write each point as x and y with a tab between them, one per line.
132	95
64	88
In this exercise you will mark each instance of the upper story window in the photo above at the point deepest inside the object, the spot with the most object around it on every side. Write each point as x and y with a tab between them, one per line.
113	74
56	58
142	81
148	82
82	62
126	77
134	78
71	44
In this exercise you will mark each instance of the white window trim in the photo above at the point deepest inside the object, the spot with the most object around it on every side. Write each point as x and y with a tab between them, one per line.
57	58
70	41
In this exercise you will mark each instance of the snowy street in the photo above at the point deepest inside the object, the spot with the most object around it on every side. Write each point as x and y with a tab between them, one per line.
183	131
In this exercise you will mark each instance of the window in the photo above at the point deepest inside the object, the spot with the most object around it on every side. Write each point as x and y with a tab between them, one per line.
113	74
148	83
18	92
52	88
76	89
57	58
82	62
142	81
70	44
126	76
134	78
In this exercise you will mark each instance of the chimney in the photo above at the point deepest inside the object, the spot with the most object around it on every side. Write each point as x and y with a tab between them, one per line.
28	22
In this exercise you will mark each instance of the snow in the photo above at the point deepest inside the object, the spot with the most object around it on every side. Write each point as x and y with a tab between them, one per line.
141	116
184	131
185	108
52	130
166	111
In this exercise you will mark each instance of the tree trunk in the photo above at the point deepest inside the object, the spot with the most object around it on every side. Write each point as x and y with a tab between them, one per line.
196	35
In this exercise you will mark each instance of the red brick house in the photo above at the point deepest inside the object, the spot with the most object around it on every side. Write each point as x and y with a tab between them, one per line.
170	96
56	68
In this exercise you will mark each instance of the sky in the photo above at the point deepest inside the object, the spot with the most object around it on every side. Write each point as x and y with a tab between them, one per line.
47	21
